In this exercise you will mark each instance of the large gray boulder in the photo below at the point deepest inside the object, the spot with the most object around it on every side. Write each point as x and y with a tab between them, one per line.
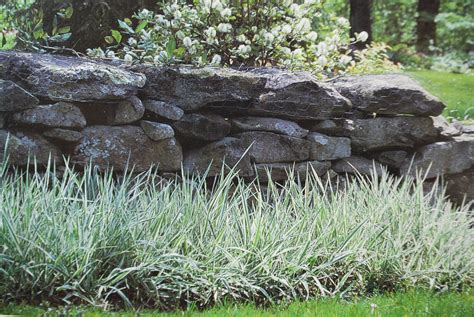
207	127
441	158
163	109
267	147
64	78
275	125
15	98
325	148
392	133
228	153
117	147
281	171
59	115
24	148
388	94
267	92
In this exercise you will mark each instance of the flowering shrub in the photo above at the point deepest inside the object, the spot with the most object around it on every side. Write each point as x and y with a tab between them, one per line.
233	33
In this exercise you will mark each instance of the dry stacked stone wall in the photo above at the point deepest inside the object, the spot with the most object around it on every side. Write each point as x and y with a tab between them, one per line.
197	118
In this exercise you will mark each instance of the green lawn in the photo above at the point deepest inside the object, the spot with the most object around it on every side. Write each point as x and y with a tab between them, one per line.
413	303
455	90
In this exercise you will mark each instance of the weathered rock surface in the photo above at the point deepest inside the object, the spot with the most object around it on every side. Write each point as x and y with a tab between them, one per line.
229	151
442	158
2	120
358	165
207	127
128	111
122	112
275	125
268	92
59	115
157	131
392	133
389	94
446	129
324	148
15	98
163	109
460	187
118	146
468	129
267	147
63	135
392	158
62	78
281	171
27	148
334	127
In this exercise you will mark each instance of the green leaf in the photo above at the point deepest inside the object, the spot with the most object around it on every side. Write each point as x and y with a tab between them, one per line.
180	51
109	39
68	12
125	26
141	26
64	29
170	47
117	36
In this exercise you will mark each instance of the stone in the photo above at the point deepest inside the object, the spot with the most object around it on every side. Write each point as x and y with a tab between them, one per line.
207	127
157	131
59	115
122	146
389	95
468	129
121	112
334	127
63	135
392	133
66	78
267	147
281	171
2	120
25	148
446	129
392	158
459	187
210	158
275	125
262	92
15	98
163	109
326	148
358	165
128	111
441	158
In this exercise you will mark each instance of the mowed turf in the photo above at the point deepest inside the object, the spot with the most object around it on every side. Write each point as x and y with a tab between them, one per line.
455	90
413	303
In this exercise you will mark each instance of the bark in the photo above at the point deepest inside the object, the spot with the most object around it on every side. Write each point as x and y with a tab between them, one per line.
92	20
426	25
361	19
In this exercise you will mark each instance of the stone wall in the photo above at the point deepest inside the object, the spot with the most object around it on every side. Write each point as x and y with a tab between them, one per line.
257	119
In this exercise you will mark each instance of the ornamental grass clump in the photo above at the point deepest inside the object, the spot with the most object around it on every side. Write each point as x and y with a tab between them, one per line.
138	241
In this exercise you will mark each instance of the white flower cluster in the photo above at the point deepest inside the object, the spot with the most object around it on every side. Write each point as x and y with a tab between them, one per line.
220	32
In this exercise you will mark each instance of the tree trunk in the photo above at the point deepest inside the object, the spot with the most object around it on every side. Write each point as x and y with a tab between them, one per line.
92	20
426	25
361	19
